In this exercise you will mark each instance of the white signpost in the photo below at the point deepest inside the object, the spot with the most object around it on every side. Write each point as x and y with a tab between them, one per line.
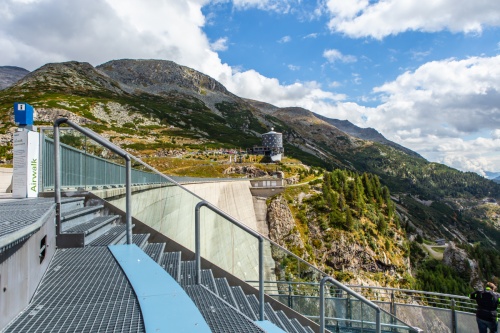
25	173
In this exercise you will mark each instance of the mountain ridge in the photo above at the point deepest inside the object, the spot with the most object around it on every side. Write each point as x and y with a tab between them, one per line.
10	75
156	109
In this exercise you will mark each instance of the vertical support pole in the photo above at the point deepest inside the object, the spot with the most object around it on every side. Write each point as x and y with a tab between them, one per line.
128	203
322	305
348	310
197	242
453	317
261	278
378	323
57	177
290	305
393	310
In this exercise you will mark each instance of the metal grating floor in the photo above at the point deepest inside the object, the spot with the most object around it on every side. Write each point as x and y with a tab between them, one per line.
155	251
91	225
242	302
80	212
273	318
298	326
171	262
84	290
110	237
225	291
140	239
288	325
219	315
207	279
188	273
18	214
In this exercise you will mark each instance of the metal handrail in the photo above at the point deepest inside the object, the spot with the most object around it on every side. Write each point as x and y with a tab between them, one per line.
244	228
378	327
57	172
463	302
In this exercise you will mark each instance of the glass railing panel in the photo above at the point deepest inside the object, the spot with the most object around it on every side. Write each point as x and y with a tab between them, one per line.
86	164
426	318
466	322
229	247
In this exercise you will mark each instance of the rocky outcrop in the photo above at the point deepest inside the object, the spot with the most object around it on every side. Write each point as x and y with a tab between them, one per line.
282	227
248	170
457	259
345	255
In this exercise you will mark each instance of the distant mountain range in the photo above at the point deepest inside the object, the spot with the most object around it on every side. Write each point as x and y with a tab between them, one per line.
10	75
150	107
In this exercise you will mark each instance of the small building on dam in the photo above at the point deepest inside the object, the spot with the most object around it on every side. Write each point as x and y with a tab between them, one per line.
272	146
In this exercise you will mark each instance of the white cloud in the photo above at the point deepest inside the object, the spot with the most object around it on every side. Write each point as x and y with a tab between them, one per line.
285	39
333	55
363	18
293	67
282	6
251	84
315	35
429	109
219	45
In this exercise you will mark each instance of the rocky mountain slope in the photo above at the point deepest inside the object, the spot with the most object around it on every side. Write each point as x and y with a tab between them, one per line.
10	75
151	107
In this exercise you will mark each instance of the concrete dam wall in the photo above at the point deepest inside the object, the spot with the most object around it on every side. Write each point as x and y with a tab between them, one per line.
170	210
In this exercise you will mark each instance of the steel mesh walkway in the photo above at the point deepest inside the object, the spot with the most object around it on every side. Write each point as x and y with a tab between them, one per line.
84	290
220	316
18	214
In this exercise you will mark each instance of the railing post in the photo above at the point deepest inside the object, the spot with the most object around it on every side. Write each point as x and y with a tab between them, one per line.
322	304
197	241
128	203
378	323
261	278
348	310
290	305
453	317
393	310
248	230
57	175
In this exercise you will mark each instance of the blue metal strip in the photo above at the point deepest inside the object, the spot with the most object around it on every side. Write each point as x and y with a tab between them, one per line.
164	305
269	327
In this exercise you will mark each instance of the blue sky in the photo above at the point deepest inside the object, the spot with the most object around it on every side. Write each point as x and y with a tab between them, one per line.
424	73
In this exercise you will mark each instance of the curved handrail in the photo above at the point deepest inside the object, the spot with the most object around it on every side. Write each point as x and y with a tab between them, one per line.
117	150
244	228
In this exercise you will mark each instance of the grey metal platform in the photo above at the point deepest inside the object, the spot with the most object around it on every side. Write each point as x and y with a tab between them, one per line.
18	214
84	290
220	316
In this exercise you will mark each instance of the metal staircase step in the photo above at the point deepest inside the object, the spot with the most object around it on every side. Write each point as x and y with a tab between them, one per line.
91	230
92	225
242	302
208	280
188	273
140	240
286	321
69	204
298	326
308	329
171	262
75	217
225	291
269	313
112	236
273	317
220	316
155	251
